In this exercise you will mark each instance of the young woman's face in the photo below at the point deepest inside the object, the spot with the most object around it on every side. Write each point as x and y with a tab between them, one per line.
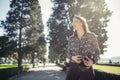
77	24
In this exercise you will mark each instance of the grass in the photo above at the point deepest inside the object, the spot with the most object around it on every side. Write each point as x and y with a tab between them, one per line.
7	66
109	69
2	66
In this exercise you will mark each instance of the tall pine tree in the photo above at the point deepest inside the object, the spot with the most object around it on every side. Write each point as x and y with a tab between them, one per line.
24	25
34	33
58	31
16	21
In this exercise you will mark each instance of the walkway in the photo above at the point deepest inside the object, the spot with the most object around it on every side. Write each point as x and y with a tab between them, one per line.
50	72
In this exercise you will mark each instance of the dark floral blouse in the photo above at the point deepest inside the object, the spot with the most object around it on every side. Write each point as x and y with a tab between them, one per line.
86	46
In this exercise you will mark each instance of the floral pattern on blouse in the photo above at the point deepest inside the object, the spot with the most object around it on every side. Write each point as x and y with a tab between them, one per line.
86	46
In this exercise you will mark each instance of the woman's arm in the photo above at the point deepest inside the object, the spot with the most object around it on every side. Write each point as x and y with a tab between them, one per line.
95	50
70	56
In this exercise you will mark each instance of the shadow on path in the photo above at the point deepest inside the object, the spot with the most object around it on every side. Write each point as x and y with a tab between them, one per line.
40	73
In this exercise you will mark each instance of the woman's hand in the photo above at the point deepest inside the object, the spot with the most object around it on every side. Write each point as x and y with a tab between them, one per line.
77	58
87	62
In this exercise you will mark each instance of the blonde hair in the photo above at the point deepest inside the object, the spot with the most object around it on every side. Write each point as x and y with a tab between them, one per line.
84	22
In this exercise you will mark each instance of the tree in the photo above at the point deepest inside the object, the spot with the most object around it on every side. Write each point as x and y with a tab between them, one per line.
34	34
60	22
58	30
24	24
25	17
16	21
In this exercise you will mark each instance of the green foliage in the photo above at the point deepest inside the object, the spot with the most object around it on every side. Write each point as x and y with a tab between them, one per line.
9	72
7	46
34	34
18	18
24	25
58	31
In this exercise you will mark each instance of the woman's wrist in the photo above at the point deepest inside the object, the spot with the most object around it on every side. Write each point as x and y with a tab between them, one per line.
72	58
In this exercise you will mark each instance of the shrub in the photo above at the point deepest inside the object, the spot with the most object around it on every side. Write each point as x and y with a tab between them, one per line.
99	75
9	72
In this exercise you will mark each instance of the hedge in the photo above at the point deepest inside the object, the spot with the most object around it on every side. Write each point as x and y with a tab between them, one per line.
109	64
6	73
100	75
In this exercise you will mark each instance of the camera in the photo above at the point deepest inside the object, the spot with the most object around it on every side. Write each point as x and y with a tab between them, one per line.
85	58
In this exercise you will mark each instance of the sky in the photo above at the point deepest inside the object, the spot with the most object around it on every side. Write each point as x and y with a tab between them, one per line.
113	42
46	8
113	26
4	7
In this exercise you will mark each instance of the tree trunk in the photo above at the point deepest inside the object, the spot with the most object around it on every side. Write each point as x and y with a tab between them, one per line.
19	51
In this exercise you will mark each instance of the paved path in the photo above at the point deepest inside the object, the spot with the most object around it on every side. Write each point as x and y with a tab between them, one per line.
50	72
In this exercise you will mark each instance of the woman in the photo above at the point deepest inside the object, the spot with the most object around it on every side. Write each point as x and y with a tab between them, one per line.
44	62
83	51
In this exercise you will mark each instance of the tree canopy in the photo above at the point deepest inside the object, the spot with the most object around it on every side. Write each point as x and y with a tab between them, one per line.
24	25
7	46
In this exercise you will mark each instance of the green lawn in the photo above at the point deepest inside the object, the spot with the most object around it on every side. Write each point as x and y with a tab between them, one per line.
7	66
110	69
11	65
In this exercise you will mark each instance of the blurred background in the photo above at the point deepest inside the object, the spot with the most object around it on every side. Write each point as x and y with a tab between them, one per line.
31	30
